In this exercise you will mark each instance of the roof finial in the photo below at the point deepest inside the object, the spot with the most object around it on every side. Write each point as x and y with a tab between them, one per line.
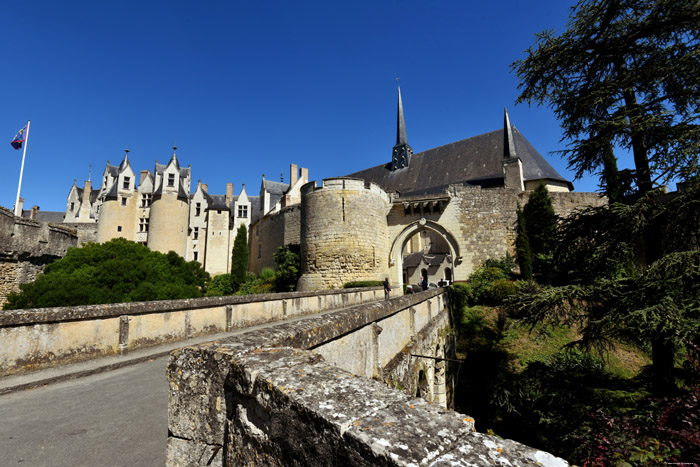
89	172
281	177
508	145
174	149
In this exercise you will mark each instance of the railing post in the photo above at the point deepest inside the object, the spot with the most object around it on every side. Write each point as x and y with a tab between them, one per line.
123	334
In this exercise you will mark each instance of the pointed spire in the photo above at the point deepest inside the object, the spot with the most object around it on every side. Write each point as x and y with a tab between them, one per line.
508	145
400	123
125	163
401	156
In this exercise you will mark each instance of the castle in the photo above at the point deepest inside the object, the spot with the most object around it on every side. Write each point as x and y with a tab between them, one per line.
438	214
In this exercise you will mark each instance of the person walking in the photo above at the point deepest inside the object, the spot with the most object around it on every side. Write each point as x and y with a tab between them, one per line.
387	289
423	283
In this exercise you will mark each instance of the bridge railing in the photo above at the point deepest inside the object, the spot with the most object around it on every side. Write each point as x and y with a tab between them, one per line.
290	394
39	338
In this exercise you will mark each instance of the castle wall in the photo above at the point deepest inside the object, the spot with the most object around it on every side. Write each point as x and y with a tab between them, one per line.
168	224
344	234
87	233
271	232
26	247
218	256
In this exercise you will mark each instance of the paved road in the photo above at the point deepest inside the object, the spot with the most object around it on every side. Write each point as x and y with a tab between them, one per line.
118	418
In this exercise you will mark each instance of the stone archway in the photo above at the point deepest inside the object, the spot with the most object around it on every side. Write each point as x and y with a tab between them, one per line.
397	247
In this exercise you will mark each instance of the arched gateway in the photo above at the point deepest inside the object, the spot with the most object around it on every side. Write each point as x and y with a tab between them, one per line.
396	257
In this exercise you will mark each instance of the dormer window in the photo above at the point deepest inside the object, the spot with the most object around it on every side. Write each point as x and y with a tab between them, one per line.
243	212
72	206
198	209
171	179
127	182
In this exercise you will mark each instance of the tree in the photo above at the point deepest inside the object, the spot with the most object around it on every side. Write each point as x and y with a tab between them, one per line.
541	227
625	73
239	258
113	272
522	247
288	259
609	292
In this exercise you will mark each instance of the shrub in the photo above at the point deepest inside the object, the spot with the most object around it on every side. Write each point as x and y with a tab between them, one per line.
500	290
288	260
219	286
353	284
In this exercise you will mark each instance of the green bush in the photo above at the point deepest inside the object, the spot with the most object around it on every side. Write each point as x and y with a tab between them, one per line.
288	260
264	283
113	272
500	290
219	286
353	284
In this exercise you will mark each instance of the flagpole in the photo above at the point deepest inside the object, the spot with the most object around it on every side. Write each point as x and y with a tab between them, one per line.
18	211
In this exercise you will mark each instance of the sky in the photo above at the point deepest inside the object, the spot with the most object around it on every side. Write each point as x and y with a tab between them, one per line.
246	88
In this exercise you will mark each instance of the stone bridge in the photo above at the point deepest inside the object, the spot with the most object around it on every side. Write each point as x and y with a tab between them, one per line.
341	377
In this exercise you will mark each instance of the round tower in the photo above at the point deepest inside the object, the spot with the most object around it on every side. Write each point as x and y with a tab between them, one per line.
168	223
111	223
344	233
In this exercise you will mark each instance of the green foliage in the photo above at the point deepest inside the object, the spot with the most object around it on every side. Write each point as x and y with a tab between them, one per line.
288	259
112	272
219	286
488	285
541	230
624	74
522	247
353	284
264	283
239	258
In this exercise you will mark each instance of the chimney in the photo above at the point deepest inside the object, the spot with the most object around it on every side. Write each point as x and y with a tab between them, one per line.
19	207
144	173
32	214
205	187
229	195
293	174
305	175
86	193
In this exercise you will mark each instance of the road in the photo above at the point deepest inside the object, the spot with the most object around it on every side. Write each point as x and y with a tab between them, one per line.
118	418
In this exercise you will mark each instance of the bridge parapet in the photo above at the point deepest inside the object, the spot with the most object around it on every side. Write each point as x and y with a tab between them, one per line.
280	396
39	338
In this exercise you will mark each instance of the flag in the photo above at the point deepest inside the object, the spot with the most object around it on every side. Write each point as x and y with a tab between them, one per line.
19	138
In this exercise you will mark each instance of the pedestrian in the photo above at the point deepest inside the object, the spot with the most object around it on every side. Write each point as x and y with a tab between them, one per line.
387	289
423	283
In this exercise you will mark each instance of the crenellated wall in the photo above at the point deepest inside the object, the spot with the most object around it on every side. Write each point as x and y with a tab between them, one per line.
26	247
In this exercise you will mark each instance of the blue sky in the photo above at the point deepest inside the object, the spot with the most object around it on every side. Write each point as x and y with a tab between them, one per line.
246	88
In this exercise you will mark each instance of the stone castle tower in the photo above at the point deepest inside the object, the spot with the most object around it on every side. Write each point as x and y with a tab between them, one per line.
344	234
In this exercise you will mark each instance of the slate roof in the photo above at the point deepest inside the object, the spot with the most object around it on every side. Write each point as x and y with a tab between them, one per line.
54	217
475	161
276	190
93	193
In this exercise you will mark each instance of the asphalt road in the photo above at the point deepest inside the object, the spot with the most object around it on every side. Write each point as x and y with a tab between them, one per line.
118	418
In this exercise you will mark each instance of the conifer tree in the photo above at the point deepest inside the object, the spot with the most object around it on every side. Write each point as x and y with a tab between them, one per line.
541	227
522	245
239	258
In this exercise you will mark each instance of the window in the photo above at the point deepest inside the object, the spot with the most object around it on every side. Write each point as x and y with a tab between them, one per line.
146	199
218	211
127	182
72	206
243	211
260	251
195	233
171	179
119	228
123	201
196	255
143	224
198	209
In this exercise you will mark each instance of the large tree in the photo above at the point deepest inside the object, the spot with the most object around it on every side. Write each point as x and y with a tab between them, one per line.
112	272
239	258
625	73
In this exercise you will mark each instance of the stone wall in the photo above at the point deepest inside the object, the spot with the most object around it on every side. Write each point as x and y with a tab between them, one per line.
26	247
343	233
87	232
269	233
34	339
264	399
